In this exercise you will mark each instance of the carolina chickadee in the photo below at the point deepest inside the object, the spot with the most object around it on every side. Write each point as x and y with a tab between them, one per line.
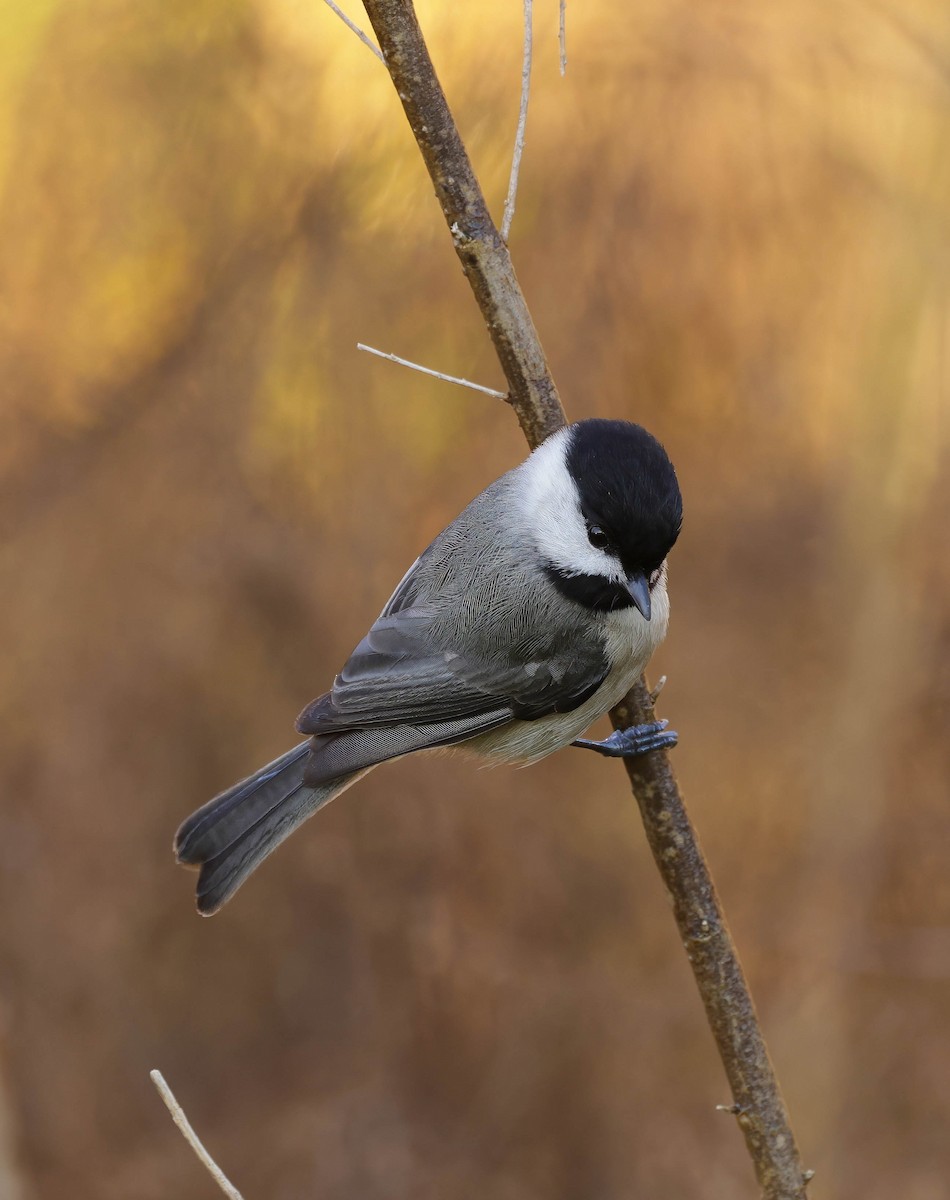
523	622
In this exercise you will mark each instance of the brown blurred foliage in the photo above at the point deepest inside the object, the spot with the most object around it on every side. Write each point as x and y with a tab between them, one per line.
732	227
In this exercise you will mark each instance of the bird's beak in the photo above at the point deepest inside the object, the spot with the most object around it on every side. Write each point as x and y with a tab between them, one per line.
639	591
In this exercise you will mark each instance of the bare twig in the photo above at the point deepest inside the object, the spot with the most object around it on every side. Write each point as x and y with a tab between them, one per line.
760	1110
562	35
509	212
178	1116
404	362
481	250
356	29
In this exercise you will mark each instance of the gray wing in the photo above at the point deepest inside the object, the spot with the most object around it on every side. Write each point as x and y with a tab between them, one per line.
473	636
394	677
480	645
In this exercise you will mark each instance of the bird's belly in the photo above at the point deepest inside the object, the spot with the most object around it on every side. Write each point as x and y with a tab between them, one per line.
526	741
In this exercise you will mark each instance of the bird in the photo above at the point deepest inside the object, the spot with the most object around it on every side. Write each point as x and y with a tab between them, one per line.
526	619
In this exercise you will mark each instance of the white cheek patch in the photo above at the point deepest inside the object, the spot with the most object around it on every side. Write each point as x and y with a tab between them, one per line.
552	506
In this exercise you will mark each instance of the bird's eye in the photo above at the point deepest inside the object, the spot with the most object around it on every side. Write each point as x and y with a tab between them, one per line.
597	537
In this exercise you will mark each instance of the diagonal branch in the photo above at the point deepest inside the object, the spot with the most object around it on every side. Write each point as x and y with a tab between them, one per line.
758	1106
481	250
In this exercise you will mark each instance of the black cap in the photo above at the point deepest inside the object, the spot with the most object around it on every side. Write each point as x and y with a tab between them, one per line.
628	487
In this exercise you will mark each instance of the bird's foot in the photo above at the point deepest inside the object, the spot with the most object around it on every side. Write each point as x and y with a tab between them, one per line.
628	743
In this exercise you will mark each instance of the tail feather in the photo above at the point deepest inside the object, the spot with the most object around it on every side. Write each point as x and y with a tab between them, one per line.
233	833
207	830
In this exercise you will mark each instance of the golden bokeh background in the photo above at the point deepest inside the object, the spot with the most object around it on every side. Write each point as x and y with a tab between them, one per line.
733	227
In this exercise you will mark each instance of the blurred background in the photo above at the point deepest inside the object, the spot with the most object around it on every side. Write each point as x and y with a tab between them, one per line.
731	227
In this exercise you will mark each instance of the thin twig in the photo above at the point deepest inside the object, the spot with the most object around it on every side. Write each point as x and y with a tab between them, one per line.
356	29
509	212
404	362
178	1116
478	244
760	1109
562	36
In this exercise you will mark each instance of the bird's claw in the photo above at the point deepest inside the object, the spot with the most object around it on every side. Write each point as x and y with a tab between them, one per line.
628	743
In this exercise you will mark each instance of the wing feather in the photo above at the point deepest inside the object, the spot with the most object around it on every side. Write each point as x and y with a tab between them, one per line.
394	678
473	633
